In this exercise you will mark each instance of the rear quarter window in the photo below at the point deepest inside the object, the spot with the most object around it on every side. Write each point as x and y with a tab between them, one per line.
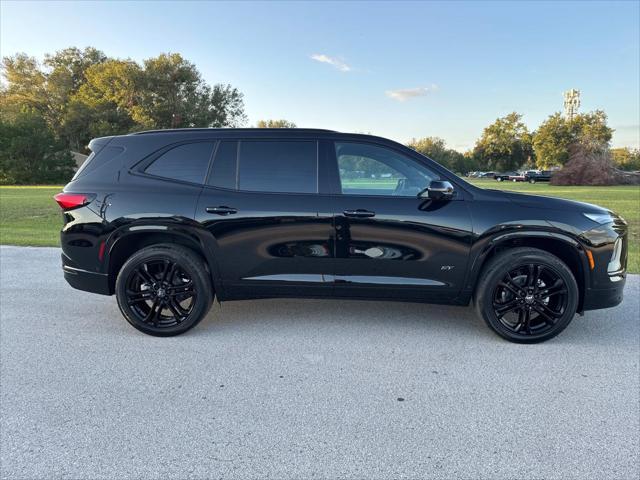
187	163
97	159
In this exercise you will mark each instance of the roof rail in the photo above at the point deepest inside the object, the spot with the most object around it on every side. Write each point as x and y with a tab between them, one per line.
177	130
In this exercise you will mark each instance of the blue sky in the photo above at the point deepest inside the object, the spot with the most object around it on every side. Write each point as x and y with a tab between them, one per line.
399	70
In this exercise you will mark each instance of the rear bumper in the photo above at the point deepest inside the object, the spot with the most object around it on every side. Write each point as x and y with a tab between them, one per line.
85	280
596	298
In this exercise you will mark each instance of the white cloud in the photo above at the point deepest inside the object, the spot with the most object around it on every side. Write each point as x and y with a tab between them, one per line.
404	94
334	62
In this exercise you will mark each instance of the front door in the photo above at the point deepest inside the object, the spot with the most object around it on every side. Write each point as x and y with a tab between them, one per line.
271	228
390	243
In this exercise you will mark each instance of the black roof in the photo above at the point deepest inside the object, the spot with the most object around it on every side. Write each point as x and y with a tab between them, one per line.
196	130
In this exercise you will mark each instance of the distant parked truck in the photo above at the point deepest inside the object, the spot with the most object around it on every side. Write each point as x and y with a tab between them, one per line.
503	177
538	176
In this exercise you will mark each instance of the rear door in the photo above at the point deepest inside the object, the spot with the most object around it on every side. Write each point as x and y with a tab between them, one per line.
272	229
389	242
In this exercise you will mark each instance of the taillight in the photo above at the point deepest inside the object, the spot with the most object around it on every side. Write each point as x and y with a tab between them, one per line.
68	201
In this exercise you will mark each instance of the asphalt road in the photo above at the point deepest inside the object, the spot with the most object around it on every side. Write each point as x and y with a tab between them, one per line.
306	389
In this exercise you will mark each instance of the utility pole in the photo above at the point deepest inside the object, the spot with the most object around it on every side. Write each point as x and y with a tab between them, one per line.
571	103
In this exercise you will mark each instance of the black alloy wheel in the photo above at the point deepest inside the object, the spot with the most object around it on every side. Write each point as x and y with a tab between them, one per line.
530	299
527	295
164	290
160	293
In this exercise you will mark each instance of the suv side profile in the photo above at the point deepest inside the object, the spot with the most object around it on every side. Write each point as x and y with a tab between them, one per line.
168	220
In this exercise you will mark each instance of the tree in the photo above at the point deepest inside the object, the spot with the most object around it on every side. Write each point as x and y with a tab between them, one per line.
68	66
46	90
171	93
75	95
30	152
224	107
25	87
83	94
103	103
433	147
591	163
505	144
626	158
436	149
275	124
473	162
553	139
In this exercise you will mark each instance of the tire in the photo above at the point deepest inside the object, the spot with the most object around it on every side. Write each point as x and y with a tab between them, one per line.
526	305
164	290
499	179
514	180
532	180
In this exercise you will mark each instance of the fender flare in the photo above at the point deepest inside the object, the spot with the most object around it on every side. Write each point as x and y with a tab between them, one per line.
483	247
193	234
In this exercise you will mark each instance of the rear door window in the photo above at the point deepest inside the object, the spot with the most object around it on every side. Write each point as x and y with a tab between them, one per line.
223	170
188	162
278	166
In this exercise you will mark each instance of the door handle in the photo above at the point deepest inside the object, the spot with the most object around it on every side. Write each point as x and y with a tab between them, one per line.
359	213
222	210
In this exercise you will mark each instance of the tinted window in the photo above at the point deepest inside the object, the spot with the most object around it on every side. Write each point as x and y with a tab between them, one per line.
98	159
223	171
186	162
372	170
279	166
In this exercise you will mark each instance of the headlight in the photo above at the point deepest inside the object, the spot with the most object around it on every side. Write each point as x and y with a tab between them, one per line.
615	264
599	218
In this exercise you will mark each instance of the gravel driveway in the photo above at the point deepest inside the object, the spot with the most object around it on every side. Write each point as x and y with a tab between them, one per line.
306	389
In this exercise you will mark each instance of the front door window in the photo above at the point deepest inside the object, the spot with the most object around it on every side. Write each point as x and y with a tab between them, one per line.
367	169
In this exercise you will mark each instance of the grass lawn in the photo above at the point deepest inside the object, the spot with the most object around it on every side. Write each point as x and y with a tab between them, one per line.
29	215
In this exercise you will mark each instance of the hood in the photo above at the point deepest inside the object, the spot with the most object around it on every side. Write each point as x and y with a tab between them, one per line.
552	203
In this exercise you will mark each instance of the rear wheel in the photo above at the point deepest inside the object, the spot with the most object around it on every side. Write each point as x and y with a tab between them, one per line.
532	180
499	179
527	295
164	290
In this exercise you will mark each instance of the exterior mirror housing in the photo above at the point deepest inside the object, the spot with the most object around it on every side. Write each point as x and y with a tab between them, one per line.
438	190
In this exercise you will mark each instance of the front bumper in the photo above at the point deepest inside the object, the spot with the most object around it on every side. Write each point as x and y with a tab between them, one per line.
595	298
84	280
608	244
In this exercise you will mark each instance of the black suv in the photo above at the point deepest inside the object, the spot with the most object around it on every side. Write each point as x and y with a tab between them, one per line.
169	219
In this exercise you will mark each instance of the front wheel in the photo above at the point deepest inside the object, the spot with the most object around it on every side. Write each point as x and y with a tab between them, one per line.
527	295
533	180
164	290
499	179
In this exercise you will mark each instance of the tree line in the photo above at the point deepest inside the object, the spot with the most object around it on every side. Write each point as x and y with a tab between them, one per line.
508	145
48	109
53	107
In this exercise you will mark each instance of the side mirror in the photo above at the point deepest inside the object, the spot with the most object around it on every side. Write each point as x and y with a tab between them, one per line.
438	190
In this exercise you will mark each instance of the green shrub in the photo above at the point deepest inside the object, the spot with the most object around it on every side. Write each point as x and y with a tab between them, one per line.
30	153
